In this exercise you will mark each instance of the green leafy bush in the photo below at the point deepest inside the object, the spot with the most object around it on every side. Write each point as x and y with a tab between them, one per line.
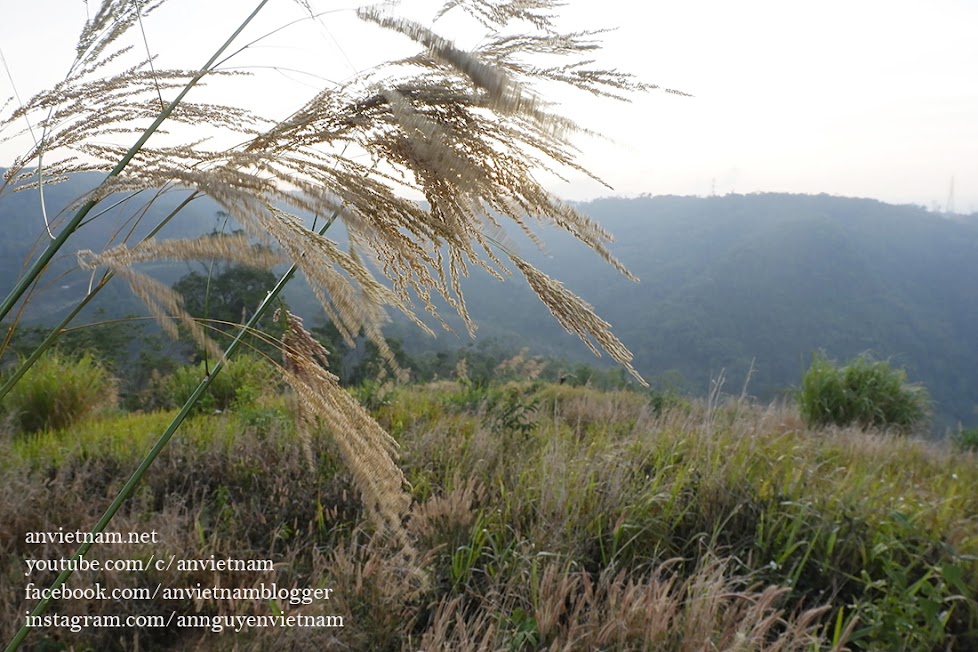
58	391
865	392
241	381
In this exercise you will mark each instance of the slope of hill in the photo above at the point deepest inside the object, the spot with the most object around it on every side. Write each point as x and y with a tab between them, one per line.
766	280
545	516
23	235
727	283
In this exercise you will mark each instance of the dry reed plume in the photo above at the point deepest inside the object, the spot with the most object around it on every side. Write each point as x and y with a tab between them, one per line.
466	129
366	448
162	301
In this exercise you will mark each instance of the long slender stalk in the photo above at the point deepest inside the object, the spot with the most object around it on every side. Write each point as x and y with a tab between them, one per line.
53	247
161	443
59	329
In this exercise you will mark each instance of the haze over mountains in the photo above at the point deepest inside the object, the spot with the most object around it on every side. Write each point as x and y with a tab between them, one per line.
727	283
769	279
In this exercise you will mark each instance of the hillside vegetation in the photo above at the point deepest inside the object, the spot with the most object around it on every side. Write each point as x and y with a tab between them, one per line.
735	283
545	517
761	282
480	508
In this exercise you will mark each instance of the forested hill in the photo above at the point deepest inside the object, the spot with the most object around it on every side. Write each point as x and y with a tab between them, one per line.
771	278
23	234
725	281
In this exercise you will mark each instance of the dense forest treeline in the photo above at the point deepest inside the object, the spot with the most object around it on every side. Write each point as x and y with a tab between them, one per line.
739	284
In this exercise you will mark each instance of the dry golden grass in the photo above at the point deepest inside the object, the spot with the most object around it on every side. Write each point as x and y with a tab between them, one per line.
163	302
607	526
617	610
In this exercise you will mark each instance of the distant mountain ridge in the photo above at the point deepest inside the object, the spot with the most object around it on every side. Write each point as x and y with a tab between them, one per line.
726	283
770	278
23	236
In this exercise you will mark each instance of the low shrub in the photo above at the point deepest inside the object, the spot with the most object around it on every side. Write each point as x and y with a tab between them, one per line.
864	392
241	381
58	391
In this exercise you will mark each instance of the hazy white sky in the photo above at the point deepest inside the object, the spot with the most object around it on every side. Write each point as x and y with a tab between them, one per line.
870	98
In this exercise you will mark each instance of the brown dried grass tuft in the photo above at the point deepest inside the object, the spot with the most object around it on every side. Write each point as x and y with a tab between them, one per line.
616	610
367	450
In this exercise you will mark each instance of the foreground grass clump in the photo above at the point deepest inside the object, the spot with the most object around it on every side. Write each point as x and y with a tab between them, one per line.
546	517
966	439
58	391
866	393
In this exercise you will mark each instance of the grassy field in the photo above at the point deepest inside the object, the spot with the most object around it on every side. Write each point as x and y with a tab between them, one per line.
545	517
